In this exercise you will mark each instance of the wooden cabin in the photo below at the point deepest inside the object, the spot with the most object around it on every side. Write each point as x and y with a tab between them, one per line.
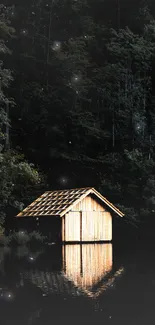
75	215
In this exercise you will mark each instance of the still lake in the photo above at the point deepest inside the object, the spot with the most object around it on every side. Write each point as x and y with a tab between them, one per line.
93	283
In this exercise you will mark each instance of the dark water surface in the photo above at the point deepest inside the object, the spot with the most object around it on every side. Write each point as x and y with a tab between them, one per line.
93	283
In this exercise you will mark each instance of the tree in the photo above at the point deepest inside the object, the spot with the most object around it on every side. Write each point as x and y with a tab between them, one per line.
84	92
16	174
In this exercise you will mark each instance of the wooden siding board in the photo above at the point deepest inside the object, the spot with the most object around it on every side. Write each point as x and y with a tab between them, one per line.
63	228
81	226
88	204
72	226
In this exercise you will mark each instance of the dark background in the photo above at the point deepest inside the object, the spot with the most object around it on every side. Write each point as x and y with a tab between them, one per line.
83	86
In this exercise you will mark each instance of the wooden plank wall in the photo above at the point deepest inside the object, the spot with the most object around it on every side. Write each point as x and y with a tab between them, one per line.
63	228
96	226
88	204
96	222
72	226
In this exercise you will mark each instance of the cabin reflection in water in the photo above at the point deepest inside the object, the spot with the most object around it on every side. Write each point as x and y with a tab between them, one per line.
86	265
87	270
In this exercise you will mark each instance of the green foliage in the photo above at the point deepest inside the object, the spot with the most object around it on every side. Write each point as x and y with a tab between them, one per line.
24	239
86	103
25	251
17	176
130	213
19	238
36	238
4	240
6	32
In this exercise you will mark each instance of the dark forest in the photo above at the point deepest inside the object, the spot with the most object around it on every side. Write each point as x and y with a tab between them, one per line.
77	93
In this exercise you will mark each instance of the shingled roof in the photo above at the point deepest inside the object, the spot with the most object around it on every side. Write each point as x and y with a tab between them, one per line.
61	201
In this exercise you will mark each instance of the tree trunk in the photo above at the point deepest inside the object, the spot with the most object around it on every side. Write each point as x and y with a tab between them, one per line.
7	143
